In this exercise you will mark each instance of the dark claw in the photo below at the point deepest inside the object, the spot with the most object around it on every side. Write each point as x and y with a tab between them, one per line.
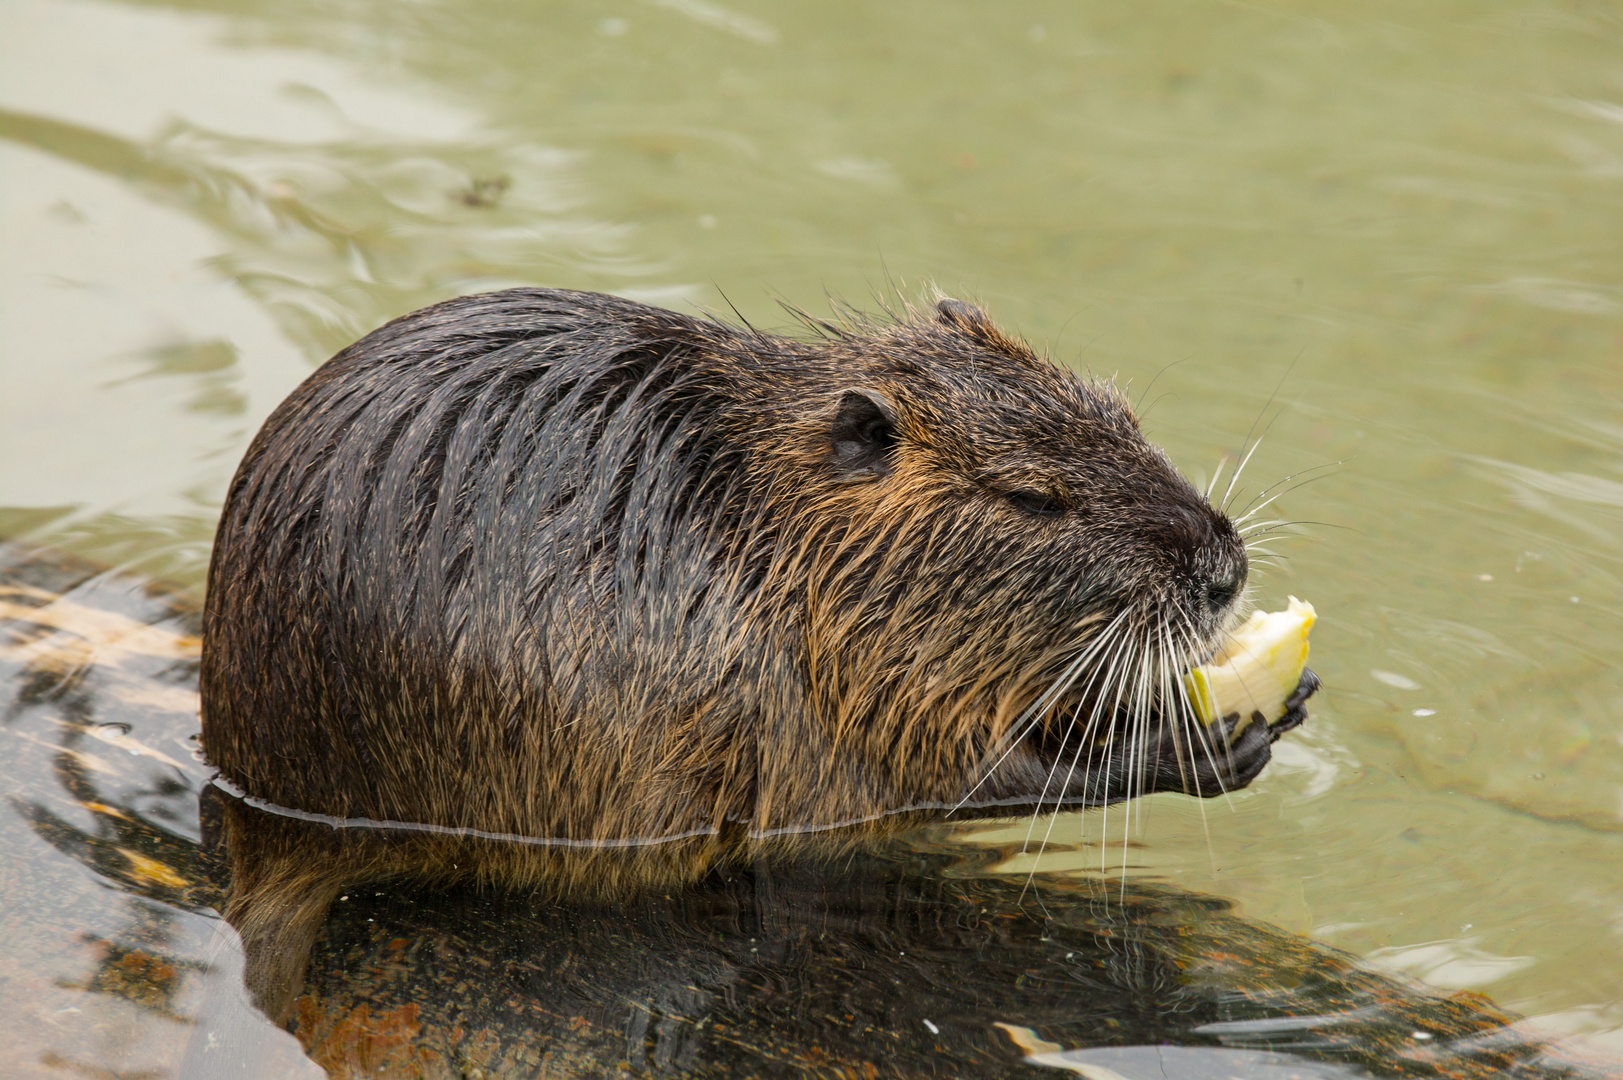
1295	706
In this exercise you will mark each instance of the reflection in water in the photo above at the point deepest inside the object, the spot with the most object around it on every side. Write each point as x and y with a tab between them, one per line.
912	963
134	965
209	367
915	961
99	697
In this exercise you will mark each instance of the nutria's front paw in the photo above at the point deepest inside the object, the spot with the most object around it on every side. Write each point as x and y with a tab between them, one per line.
1232	756
1234	752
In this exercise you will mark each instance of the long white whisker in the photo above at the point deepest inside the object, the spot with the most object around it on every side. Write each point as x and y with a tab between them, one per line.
1217	474
1266	405
1103	710
1075	759
1203	733
1286	480
1238	469
1054	817
1052	769
1260	507
1033	713
1180	644
1260	526
1271	525
1096	785
1115	710
1139	710
1164	677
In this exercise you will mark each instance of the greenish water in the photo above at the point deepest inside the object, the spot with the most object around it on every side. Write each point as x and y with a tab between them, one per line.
1408	220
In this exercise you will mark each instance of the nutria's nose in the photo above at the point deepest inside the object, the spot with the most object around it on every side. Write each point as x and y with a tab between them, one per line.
1223	588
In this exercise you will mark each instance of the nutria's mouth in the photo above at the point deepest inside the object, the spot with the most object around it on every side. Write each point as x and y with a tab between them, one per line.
1090	751
1084	734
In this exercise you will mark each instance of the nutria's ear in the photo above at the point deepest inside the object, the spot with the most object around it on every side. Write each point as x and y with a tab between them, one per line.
973	323
863	435
964	316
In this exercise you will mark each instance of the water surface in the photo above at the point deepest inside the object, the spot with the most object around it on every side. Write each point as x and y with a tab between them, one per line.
1405	220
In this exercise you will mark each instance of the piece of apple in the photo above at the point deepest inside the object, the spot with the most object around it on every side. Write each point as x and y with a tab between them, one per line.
1257	669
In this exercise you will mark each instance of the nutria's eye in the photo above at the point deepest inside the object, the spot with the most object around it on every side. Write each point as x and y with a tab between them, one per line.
864	435
1035	502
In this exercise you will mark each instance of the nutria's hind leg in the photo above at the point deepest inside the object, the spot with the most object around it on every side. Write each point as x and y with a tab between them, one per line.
284	877
278	914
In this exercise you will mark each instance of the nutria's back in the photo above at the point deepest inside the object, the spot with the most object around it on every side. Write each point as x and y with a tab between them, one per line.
567	566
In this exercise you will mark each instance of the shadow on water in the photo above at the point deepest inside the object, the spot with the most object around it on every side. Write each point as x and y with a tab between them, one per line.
913	961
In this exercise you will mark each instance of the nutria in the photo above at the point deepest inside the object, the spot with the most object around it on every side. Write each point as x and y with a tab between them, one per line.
644	591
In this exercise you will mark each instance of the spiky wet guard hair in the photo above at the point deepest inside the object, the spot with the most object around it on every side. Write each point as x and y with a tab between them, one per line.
564	565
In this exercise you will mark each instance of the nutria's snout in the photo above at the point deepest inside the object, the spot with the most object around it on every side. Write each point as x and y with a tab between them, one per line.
1204	554
1143	733
1219	573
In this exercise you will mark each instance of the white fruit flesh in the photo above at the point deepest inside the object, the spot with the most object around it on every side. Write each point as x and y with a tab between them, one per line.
1257	669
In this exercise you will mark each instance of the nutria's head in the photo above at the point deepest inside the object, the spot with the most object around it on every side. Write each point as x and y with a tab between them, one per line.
570	567
999	581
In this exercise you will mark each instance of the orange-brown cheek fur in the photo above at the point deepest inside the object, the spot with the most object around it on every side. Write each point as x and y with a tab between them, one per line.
912	689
